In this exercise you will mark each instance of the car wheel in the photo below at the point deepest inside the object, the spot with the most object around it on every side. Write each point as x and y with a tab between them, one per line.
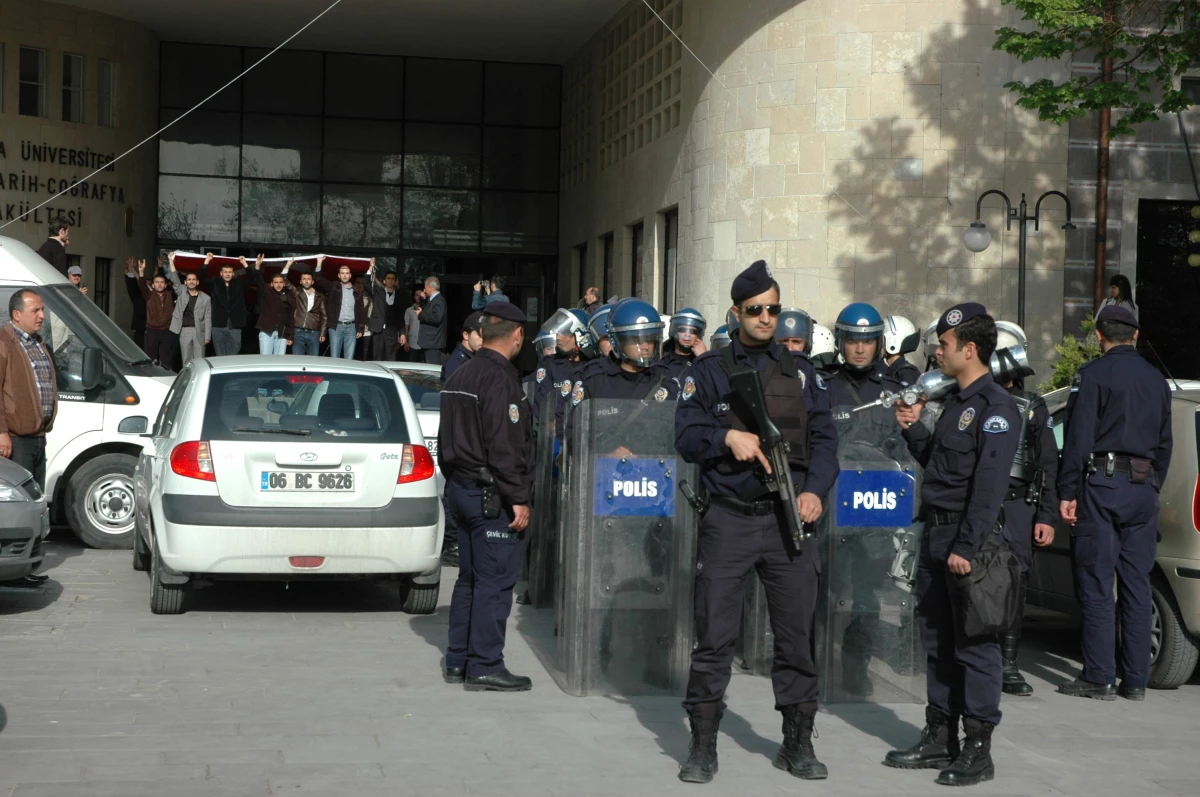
418	598
141	556
1173	652
99	501
164	598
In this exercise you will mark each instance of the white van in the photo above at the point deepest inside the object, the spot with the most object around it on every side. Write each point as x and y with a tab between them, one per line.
109	393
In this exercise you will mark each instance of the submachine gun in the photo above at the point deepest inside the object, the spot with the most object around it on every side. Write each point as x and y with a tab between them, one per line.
748	389
1006	364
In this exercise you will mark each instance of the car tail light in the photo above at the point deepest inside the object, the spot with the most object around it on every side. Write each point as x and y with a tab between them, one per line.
193	460
305	379
1196	505
416	464
306	561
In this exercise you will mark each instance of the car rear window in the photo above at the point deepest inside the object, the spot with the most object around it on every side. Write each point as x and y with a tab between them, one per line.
425	387
319	407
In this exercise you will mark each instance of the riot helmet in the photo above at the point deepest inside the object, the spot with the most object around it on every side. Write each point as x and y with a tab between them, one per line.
931	346
900	336
566	326
822	349
598	330
720	338
691	323
858	322
636	331
1009	334
794	325
545	340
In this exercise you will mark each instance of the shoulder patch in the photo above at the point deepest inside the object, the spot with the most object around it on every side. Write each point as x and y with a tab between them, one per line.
689	388
803	379
661	394
965	419
514	414
1050	424
820	381
578	395
565	387
541	375
1076	382
996	424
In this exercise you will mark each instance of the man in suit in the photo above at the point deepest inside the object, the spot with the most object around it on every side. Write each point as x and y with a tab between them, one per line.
54	249
432	318
344	309
228	292
387	315
192	317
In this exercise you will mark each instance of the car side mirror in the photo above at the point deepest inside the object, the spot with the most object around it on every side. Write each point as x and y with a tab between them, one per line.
91	372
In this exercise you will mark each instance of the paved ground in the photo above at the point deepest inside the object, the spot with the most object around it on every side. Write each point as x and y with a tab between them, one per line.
329	690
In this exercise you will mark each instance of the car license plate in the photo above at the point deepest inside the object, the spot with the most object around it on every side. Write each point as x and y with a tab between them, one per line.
281	481
431	444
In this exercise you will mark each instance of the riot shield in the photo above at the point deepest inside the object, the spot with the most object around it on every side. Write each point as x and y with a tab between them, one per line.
628	553
542	545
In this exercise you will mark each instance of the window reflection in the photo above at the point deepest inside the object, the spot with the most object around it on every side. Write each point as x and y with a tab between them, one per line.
204	143
280	212
197	209
441	219
520	222
365	216
281	147
441	155
363	152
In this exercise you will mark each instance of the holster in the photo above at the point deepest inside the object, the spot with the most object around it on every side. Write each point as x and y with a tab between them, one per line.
1140	470
489	494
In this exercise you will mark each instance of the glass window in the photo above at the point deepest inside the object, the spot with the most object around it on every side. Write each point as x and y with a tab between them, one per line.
281	147
522	94
514	158
191	72
363	152
65	332
280	212
424	387
106	89
101	284
443	91
72	88
520	222
361	215
197	209
364	86
333	408
203	143
608	276
164	425
32	79
581	258
441	155
670	259
441	219
638	232
287	82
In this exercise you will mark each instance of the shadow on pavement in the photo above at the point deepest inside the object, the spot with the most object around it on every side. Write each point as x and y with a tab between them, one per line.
878	720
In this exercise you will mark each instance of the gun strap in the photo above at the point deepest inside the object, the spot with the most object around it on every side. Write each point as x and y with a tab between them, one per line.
787	363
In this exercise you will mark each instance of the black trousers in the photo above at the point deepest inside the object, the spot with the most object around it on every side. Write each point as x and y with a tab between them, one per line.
160	346
383	345
30	454
730	546
433	356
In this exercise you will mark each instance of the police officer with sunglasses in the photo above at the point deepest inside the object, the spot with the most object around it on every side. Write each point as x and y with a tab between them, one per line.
745	526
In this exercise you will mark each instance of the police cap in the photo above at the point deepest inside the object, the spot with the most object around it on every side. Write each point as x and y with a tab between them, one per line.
506	310
753	281
474	322
958	314
1115	312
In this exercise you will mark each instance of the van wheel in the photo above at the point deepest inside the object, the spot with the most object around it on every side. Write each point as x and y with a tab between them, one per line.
141	556
418	598
1173	653
99	501
164	598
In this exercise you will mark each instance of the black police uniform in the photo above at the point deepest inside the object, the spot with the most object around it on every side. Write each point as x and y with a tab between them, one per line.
562	398
679	363
458	357
606	379
486	423
903	371
552	374
1119	405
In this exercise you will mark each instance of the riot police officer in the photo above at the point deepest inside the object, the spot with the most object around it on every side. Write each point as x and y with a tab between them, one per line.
1116	451
821	349
466	348
1030	505
544	345
745	527
720	338
685	340
967	461
568	326
596	349
485	448
900	337
794	330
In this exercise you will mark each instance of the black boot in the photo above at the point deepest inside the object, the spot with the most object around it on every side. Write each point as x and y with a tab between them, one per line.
974	763
938	746
797	755
1013	682
701	764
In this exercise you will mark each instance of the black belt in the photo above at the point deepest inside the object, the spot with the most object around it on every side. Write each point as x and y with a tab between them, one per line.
941	517
344	323
1121	463
306	329
748	508
1013	495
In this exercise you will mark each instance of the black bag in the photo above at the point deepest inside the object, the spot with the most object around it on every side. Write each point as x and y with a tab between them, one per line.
989	597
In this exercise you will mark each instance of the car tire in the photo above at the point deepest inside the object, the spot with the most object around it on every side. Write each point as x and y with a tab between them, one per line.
141	556
418	598
99	501
1177	651
164	598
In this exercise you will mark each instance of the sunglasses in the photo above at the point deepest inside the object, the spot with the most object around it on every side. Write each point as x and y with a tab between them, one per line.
755	310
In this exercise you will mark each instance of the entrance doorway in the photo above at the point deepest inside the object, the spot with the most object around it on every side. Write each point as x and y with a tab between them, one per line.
1167	287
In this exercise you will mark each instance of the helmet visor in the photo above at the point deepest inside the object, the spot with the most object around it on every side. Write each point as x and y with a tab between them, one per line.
638	346
561	323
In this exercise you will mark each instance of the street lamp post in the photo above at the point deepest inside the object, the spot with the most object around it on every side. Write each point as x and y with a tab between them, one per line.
977	238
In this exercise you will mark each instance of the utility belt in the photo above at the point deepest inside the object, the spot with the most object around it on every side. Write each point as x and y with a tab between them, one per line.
940	517
1110	463
737	506
1029	492
485	482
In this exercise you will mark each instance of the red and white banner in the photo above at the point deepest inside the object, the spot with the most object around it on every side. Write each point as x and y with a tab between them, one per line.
192	262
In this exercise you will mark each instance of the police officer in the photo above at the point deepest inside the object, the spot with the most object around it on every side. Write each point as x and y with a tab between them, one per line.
967	460
794	330
821	349
930	344
485	448
1116	450
685	340
466	348
720	338
900	337
544	345
1030	505
745	527
598	350
567	326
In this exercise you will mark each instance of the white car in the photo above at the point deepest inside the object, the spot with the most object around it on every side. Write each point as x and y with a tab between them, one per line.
287	468
424	383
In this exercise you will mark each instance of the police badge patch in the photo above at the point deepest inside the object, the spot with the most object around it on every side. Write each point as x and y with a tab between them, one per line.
995	425
965	419
689	388
820	382
803	379
954	317
514	414
566	387
1076	382
790	323
541	375
578	397
661	394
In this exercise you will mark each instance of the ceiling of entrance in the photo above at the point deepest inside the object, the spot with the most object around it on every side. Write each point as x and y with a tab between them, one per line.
545	31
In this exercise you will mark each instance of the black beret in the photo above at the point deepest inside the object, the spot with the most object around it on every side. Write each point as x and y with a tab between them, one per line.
473	323
753	281
1115	312
506	310
958	314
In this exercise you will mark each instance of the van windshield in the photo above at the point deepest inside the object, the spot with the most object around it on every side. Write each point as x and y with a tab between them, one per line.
101	326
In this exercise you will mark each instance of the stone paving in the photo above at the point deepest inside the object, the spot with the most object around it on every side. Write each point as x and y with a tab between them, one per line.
327	689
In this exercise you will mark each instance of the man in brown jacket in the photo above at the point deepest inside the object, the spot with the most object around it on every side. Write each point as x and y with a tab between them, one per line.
308	317
28	392
160	307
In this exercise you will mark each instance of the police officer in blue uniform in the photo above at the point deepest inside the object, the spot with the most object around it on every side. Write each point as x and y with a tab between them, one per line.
794	330
544	345
900	337
720	338
685	340
466	348
745	528
595	348
1116	451
967	460
568	326
485	448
